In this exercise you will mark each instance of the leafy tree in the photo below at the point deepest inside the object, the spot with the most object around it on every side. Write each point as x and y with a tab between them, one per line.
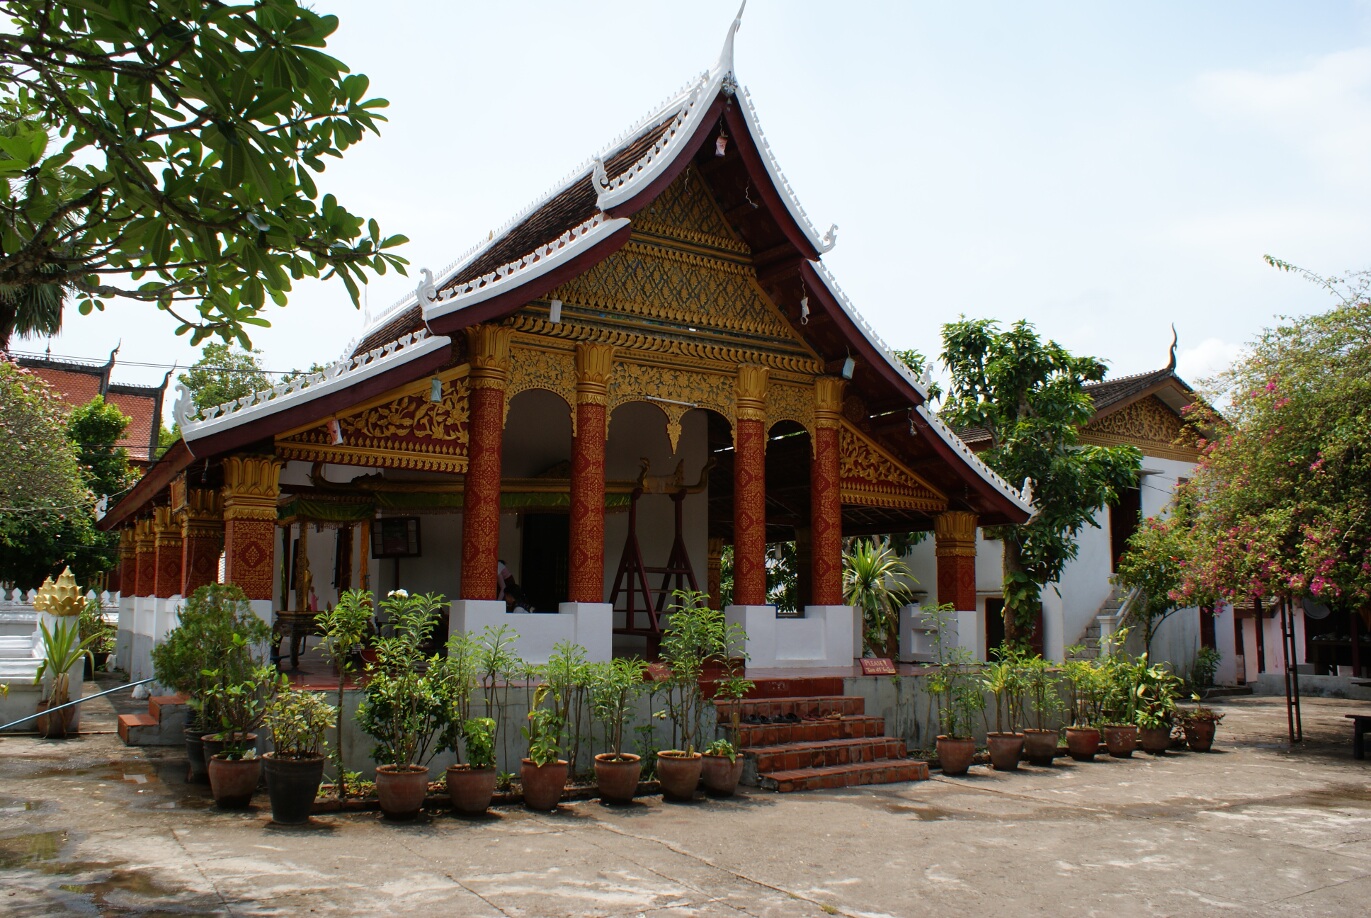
165	151
45	503
1283	493
1028	396
1154	562
96	428
224	373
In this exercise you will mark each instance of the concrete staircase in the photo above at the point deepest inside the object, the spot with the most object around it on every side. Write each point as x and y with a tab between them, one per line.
809	742
17	661
1106	620
163	725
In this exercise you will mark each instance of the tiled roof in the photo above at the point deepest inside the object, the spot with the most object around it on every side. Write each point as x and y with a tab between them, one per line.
139	408
75	384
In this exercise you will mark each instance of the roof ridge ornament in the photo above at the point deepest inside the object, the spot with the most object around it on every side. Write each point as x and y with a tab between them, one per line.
725	64
1175	340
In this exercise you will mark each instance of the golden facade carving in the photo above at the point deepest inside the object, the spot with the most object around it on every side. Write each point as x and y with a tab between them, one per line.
1147	424
679	389
143	538
202	513
165	529
790	403
542	368
954	534
751	393
594	365
871	477
251	486
686	212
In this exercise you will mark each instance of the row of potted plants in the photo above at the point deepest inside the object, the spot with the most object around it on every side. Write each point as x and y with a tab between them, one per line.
1119	699
416	706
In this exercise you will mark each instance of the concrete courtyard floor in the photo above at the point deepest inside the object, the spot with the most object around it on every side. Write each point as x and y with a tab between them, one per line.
89	826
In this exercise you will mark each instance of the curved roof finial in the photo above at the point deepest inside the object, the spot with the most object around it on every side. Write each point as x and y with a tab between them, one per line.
725	64
1175	339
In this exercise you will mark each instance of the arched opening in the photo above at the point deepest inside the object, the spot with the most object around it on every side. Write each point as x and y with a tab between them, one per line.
789	452
535	467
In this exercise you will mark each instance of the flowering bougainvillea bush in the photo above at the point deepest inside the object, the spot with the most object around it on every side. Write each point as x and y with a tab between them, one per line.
1280	504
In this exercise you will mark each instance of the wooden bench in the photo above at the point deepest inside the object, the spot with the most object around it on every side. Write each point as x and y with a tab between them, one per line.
1360	724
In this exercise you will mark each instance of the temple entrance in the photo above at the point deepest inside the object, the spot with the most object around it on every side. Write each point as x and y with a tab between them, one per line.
543	559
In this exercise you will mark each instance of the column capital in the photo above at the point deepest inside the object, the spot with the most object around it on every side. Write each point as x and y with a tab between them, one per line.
750	389
164	527
594	366
144	539
202	513
127	543
251	486
488	346
828	401
954	534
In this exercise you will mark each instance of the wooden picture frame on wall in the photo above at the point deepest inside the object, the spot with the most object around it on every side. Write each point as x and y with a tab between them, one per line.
395	537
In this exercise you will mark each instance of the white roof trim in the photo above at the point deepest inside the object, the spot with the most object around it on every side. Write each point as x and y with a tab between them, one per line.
823	243
196	425
540	261
920	385
985	471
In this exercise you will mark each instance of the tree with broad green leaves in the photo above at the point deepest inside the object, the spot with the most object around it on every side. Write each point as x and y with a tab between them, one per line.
165	151
1282	494
224	373
1028	396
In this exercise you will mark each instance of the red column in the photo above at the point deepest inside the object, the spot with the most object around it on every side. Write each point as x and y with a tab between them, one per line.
586	577
749	489
825	496
251	486
167	539
481	490
145	560
955	546
202	538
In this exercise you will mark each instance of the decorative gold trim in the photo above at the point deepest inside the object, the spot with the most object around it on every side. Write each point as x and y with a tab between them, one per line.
828	402
166	530
542	367
489	349
750	393
202	513
371	458
871	477
143	537
790	403
594	367
954	534
1161	450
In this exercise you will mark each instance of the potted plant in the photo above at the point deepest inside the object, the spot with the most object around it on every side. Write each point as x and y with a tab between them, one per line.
694	637
1004	680
471	786
63	649
345	628
614	686
299	723
405	706
543	771
1199	725
1158	688
722	767
958	696
100	633
235	770
204	637
1044	704
1119	677
1084	701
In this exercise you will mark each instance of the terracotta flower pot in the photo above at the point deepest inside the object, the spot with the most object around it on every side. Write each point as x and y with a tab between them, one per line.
401	790
56	726
233	781
618	776
543	784
679	774
720	775
1155	740
213	743
471	789
1121	740
1082	743
292	785
1199	734
1040	746
1005	750
955	754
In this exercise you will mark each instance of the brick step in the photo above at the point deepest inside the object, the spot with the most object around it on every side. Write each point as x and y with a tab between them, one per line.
886	771
796	687
163	725
854	727
133	727
800	706
791	756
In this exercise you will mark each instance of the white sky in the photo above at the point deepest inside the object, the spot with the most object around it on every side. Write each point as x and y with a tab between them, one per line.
1102	170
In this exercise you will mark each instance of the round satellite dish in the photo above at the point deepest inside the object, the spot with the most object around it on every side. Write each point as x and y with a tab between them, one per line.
1315	610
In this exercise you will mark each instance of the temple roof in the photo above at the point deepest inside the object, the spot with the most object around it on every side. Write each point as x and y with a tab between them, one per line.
587	218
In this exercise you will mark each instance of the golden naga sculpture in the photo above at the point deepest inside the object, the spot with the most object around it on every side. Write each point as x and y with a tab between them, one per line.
60	598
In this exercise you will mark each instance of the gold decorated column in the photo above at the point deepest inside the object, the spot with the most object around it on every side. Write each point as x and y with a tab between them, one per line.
489	347
202	538
145	560
251	487
167	545
825	496
954	534
594	364
749	488
128	563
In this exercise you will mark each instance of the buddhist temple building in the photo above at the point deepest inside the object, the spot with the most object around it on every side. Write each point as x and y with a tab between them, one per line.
650	363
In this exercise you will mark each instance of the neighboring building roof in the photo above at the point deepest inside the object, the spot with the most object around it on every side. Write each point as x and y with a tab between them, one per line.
79	381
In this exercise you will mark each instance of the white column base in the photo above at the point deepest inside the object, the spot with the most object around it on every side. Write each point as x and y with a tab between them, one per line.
824	637
588	624
140	661
123	642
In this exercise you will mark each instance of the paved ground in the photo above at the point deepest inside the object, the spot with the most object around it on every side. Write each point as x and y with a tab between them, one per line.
89	826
